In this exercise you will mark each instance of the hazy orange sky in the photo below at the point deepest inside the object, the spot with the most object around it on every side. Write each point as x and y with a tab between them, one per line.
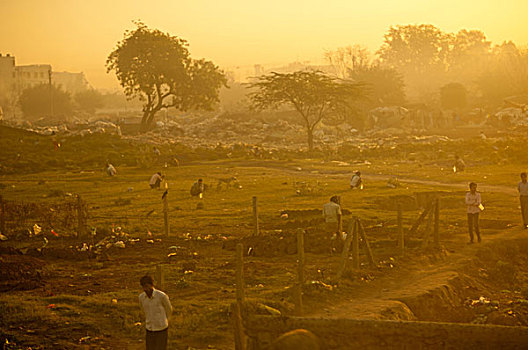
78	35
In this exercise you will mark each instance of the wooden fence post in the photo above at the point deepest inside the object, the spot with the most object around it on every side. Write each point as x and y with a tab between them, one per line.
401	237
2	216
361	230
428	228
355	246
420	220
166	228
160	277
437	222
300	272
240	339
256	230
80	217
340	219
346	249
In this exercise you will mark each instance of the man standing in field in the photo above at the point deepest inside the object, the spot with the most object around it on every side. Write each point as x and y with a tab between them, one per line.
523	195
332	215
157	309
356	181
155	180
474	206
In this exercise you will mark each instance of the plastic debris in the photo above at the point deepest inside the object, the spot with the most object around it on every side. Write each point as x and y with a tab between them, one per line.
119	244
114	301
37	229
3	238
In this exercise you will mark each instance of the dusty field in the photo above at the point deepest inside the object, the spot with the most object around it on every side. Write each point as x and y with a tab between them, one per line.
60	298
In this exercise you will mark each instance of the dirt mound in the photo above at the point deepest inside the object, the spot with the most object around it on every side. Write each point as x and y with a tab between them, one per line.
20	272
285	242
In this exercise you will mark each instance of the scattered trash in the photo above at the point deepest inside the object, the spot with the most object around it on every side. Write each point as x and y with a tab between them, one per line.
3	238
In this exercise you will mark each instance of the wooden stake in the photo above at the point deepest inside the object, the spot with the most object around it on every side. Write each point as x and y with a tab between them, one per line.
428	227
2	216
166	228
401	237
240	339
300	272
355	247
239	273
346	249
160	277
437	222
256	230
80	217
420	220
340	220
361	230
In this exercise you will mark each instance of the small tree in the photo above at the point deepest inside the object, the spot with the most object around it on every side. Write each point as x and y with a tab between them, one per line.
312	94
41	100
453	96
157	68
89	100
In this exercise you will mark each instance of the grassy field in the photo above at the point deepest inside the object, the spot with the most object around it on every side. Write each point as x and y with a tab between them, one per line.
92	303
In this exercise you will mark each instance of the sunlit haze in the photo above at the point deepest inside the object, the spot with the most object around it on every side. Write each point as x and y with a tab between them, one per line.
78	35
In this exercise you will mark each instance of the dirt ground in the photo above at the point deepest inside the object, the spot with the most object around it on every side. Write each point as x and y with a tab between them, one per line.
57	297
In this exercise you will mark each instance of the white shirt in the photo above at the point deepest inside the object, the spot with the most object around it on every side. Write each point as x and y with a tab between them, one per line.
155	178
110	170
523	188
355	180
330	211
157	310
473	201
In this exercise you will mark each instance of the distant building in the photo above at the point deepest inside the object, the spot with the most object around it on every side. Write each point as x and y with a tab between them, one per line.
71	82
15	78
32	75
7	74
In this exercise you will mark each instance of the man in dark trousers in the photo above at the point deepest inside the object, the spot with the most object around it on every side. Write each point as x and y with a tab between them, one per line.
474	206
523	195
157	308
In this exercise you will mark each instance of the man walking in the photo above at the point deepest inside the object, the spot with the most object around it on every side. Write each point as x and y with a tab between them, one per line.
474	206
157	308
523	195
332	215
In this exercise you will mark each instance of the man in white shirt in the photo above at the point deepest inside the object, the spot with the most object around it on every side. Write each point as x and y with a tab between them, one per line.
110	170
332	214
157	309
474	205
356	180
155	180
522	187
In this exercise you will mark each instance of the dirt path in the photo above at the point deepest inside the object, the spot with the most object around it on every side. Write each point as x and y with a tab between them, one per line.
381	299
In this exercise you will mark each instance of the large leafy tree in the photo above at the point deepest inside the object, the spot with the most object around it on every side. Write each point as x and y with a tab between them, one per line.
313	94
157	68
453	96
45	100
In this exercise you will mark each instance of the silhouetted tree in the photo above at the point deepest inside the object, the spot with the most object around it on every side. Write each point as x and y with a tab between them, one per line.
385	84
312	94
415	47
453	96
506	74
37	101
157	68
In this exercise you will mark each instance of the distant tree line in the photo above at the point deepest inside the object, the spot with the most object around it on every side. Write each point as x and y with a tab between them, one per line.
421	59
